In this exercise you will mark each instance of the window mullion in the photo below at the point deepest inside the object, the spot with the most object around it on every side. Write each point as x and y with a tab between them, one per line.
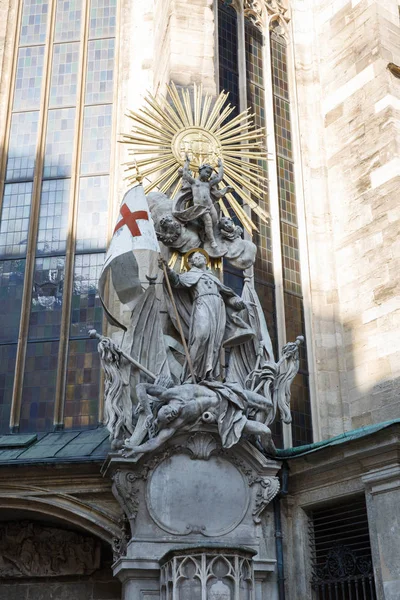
242	62
34	222
275	214
7	127
72	220
303	244
113	187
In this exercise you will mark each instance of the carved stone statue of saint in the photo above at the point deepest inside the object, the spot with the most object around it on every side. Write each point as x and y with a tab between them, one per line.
203	194
210	313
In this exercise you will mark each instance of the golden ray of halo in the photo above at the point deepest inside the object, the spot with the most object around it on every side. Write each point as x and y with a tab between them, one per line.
187	121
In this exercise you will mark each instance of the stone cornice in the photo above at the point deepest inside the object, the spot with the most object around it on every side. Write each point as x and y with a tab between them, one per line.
362	461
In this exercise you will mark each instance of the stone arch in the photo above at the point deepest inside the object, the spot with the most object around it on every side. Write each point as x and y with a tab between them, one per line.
67	511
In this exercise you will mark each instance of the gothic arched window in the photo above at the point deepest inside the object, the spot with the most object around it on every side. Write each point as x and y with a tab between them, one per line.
54	212
254	68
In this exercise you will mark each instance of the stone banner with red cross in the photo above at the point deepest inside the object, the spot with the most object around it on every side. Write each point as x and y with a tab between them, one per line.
133	233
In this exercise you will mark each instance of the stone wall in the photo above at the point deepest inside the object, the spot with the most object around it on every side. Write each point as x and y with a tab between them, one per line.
184	48
100	586
349	107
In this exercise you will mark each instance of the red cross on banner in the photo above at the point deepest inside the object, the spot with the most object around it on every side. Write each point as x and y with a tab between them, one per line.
130	220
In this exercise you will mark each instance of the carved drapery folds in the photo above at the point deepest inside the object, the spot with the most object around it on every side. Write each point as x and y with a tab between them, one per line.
32	550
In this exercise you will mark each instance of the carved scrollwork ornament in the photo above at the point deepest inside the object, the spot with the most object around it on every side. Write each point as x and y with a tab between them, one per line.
119	544
126	493
268	489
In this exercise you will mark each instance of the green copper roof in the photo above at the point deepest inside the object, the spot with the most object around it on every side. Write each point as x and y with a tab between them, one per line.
354	434
60	446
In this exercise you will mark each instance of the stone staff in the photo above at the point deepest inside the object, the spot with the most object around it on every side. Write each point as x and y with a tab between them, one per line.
93	334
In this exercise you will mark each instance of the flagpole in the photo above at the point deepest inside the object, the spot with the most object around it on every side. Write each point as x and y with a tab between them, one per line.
93	334
178	320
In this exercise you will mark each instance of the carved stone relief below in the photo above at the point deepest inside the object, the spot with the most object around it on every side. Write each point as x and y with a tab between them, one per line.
31	550
184	498
178	493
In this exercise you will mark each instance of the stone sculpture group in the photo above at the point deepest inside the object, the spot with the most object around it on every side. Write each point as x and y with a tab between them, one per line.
167	375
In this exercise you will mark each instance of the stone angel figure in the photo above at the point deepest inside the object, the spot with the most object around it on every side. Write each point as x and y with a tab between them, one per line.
202	194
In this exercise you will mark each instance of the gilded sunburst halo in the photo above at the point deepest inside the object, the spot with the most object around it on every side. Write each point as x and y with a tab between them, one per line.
168	128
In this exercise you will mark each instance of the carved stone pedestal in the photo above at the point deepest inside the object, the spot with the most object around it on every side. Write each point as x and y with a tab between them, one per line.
195	499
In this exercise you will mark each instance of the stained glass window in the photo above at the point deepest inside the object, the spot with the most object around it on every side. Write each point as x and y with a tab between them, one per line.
11	287
68	20
99	78
228	53
91	230
47	297
22	148
64	75
96	145
231	52
86	310
33	22
15	219
59	143
293	302
83	385
39	387
102	18
29	77
53	216
67	209
8	353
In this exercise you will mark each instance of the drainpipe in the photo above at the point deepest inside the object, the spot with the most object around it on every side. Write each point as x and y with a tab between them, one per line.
278	530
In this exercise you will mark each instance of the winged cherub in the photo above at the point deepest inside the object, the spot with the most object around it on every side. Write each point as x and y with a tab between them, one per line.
203	196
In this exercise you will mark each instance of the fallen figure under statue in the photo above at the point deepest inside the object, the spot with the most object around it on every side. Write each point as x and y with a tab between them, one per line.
209	402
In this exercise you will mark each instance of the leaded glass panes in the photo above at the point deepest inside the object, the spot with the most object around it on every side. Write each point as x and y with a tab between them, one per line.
59	140
283	134
102	18
11	288
64	75
33	22
68	20
39	387
96	144
15	219
228	53
300	394
29	76
22	146
86	310
83	385
293	302
8	355
254	54
91	230
47	297
290	258
99	76
280	80
63	129
300	409
53	216
287	195
254	41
